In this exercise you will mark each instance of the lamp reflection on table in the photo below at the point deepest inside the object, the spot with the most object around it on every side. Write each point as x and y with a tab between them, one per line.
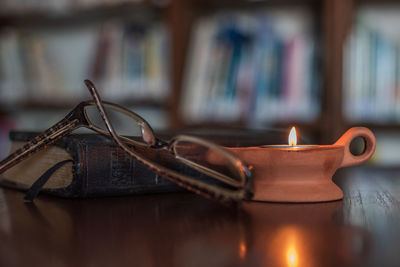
291	253
179	230
242	250
296	235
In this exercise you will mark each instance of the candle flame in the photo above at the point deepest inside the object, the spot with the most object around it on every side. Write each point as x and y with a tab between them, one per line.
242	250
291	256
292	137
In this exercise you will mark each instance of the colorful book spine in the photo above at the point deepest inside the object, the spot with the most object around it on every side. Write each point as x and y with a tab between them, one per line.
371	68
128	59
259	68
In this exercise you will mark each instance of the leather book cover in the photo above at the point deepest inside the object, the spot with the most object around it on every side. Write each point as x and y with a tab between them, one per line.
99	168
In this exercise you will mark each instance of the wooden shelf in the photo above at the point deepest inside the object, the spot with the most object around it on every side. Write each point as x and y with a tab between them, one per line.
60	105
378	2
50	18
395	126
312	129
249	3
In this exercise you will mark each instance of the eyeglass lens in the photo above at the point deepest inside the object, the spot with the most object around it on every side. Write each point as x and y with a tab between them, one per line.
209	159
123	123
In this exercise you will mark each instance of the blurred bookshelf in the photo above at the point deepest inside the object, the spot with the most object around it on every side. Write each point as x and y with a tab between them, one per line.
205	64
371	80
372	66
258	67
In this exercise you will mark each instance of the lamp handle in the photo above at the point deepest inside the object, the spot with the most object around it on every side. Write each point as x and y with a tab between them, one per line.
345	140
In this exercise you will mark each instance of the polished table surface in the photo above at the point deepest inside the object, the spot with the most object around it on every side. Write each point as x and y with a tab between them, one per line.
186	230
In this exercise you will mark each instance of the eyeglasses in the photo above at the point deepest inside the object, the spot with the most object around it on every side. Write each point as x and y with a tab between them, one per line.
196	164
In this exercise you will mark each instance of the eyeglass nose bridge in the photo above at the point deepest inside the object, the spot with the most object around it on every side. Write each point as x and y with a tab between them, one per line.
78	115
159	144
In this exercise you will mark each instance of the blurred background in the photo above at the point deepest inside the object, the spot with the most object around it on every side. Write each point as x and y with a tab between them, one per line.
241	66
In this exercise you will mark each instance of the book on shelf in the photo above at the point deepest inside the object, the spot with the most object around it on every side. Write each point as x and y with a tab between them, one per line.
6	126
372	66
387	152
256	66
128	59
132	61
11	68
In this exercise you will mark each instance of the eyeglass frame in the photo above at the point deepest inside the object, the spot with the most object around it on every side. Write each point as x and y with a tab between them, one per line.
153	142
78	118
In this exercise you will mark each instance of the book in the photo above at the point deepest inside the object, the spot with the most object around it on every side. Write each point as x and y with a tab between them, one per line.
129	59
371	66
5	127
253	66
99	168
11	68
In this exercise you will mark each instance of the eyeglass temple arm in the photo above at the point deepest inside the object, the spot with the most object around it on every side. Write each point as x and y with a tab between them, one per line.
51	135
207	190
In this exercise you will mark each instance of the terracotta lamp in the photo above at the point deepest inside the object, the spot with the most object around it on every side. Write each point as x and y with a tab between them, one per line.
303	173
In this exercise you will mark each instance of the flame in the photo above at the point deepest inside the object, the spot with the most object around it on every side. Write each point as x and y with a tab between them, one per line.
291	256
242	250
292	137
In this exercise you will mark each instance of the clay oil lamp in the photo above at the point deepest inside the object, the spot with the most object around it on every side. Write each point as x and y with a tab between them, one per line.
303	173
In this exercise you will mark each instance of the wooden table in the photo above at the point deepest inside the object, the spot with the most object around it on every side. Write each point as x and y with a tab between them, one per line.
187	230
